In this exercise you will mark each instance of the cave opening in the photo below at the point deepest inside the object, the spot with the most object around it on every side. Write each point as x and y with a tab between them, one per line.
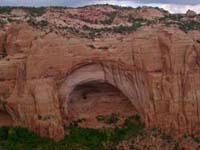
5	119
98	104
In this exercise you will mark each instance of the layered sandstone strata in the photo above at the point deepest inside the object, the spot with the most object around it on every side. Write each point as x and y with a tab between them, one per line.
47	81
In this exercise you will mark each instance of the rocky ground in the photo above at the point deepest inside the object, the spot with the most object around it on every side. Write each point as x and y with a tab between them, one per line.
95	23
98	20
100	26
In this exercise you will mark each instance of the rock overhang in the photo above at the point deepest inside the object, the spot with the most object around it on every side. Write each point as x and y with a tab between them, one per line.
158	71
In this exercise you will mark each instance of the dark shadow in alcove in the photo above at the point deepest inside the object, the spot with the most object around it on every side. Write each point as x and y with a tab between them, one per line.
94	98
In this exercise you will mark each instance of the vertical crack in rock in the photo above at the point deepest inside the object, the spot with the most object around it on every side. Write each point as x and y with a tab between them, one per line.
4	46
21	79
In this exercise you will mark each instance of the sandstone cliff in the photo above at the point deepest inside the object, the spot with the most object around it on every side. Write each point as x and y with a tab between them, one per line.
48	80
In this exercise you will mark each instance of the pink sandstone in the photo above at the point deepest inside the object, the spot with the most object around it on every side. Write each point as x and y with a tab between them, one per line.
47	81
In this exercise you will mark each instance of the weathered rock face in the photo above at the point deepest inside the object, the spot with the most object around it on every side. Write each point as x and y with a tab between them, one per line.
6	119
191	13
2	44
47	81
95	99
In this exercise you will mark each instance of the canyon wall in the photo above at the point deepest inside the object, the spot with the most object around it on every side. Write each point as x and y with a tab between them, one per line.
46	80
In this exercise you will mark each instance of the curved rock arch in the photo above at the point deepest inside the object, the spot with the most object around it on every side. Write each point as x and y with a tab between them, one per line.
131	81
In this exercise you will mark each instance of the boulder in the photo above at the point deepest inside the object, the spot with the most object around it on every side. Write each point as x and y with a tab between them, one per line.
191	13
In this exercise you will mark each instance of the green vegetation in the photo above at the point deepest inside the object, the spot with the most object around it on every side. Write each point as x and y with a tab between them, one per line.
43	23
192	25
127	29
34	11
20	138
196	139
76	123
78	138
32	22
116	29
168	20
5	10
2	23
174	17
156	132
109	119
165	137
88	139
111	16
176	147
175	20
10	20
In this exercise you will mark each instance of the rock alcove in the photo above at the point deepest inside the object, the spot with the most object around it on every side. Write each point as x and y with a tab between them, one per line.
94	92
99	104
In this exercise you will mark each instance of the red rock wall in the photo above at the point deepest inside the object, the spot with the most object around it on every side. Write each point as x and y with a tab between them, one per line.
89	101
6	119
157	69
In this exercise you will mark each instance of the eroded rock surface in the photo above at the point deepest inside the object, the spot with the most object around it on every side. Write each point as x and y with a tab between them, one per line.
47	80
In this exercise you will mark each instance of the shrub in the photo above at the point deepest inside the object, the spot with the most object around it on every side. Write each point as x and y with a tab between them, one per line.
43	23
167	138
2	22
4	133
5	10
10	20
111	17
176	147
175	17
109	119
156	132
20	138
78	139
191	25
36	11
76	122
127	29
31	21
